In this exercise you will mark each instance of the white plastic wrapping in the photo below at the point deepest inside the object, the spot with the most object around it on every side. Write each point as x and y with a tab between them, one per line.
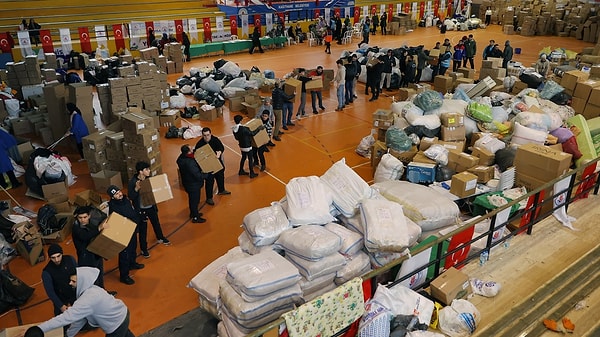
490	143
314	269
347	186
177	101
403	301
308	200
231	68
310	286
264	225
524	135
356	265
389	168
309	242
248	247
460	319
352	242
380	259
243	328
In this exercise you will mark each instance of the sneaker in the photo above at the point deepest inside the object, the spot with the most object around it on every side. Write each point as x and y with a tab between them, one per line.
128	280
291	124
146	254
164	241
137	265
315	112
210	202
270	143
253	175
198	220
242	173
224	192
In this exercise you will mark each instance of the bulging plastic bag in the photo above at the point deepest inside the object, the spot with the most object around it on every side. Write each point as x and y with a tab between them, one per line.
480	112
429	100
485	288
460	319
551	88
397	140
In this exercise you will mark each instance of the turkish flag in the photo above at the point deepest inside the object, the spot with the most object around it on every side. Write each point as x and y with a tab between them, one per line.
407	7
233	24
336	12
317	13
4	43
449	11
118	34
373	9
46	39
459	240
179	30
84	40
356	15
281	16
421	10
390	12
257	21
207	30
436	7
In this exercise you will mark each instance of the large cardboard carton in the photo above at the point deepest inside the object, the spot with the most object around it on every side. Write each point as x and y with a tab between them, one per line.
420	172
52	191
315	84
406	156
541	162
483	173
452	119
262	137
170	118
452	133
88	198
31	248
460	161
155	190
207	159
377	151
452	284
96	141
105	178
405	93
136	122
584	89
62	234
20	330
293	86
115	236
208	115
463	184
570	78
383	118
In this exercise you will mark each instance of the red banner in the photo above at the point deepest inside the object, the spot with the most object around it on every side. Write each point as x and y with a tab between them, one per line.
421	10
179	30
317	13
459	240
281	16
149	25
356	15
449	11
337	12
390	12
257	21
373	9
207	30
84	40
233	24
436	7
406	7
5	43
118	35
46	39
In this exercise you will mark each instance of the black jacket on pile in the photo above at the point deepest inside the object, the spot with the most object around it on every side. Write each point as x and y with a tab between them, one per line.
278	97
191	175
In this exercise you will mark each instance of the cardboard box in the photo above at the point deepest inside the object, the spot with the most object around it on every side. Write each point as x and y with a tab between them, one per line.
483	173
452	119
460	161
62	234
467	72
463	184
115	236
144	139
315	84
451	133
209	115
594	96
452	284
25	150
591	111
541	162
377	151
426	142
21	126
570	78
486	158
420	157
235	104
105	178
420	172
584	89
136	122
406	156
31	249
293	86
207	159
155	190
59	189
170	118
442	83
96	141
20	330
262	137
383	118
405	93
87	198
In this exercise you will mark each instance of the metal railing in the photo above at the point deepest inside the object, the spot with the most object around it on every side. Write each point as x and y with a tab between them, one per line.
582	181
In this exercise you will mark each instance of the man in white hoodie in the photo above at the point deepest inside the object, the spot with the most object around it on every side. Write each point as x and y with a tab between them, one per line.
94	305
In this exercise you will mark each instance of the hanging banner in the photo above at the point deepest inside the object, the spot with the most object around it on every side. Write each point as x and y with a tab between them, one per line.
414	11
337	12
281	16
257	22
25	43
421	10
118	35
179	30
65	39
390	14
356	15
244	26
269	21
101	36
442	10
138	37
193	30
429	7
171	27
327	15
317	13
381	9
436	8
207	31
46	39
365	11
347	12
233	25
399	8
373	9
406	7
220	26
4	43
449	10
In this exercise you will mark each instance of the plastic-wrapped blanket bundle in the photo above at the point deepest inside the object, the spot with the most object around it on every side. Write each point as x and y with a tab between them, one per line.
310	286
265	224
386	227
423	205
389	168
356	265
248	247
380	259
460	319
352	242
309	242
308	200
207	281
239	328
347	187
314	269
259	275
524	135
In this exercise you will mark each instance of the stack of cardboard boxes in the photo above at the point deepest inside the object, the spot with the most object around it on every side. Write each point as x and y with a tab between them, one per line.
94	147
141	142
24	73
81	95
538	164
170	62
492	67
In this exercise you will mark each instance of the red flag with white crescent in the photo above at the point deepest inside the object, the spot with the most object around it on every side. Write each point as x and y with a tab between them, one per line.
281	16
406	7
421	10
179	30
4	43
118	35
317	13
436	7
449	9
233	25
356	15
336	12
257	21
46	39
84	40
373	9
207	30
390	14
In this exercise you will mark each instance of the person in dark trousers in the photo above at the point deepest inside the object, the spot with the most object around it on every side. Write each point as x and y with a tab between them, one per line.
34	30
402	59
283	109
55	278
259	152
304	79
375	22
152	42
256	41
186	43
435	63
351	71
487	51
78	127
89	222
445	59
146	212
244	137
339	33
93	305
317	95
488	16
8	144
470	51
218	148
192	180
366	28
411	68
459	54
389	62
422	59
327	40
374	69
121	205
383	23
507	54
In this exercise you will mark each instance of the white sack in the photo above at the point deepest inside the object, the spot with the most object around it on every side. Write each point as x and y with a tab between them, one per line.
460	319
248	247
308	200
264	225
309	242
389	168
231	68
356	265
347	186
524	135
314	269
352	242
403	301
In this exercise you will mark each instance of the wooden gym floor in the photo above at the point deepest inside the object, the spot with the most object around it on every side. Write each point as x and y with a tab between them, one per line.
309	148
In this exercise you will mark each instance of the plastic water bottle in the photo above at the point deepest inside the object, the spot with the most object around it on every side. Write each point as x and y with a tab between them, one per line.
507	243
483	257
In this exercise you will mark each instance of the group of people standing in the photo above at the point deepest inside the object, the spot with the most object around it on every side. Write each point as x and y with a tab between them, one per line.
33	28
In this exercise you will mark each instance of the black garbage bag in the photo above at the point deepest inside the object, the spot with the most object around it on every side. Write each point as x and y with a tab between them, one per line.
562	98
201	94
13	291
219	63
184	81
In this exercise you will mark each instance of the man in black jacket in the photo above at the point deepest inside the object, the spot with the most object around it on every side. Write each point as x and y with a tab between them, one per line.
389	61
192	180
351	72
121	205
217	146
278	99
244	137
55	278
256	41
88	224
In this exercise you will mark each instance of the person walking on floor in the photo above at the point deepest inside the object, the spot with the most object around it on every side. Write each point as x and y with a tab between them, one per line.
146	212
89	222
470	51
283	109
256	41
351	71
389	62
244	137
304	79
358	69
339	81
78	127
192	180
488	16
411	69
327	39
383	23
374	69
487	51
375	22
366	28
218	148
93	305
8	144
185	41
316	94
259	152
121	205
507	54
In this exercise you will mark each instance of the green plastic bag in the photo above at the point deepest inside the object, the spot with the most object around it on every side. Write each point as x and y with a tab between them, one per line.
428	100
480	112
